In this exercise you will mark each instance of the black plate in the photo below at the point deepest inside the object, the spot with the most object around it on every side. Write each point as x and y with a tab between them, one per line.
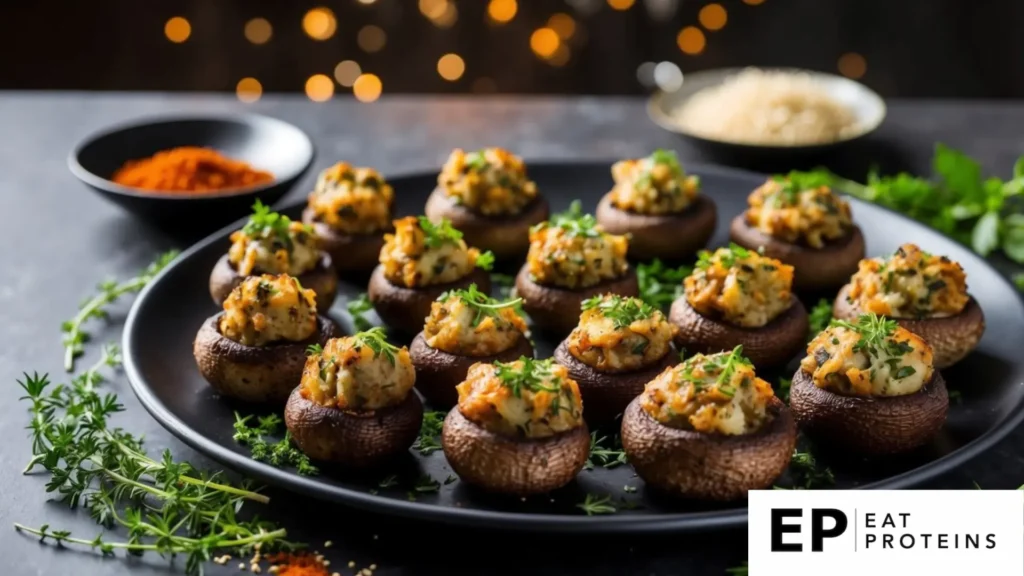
266	143
162	323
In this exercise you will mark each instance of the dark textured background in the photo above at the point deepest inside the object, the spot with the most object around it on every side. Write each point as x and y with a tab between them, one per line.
62	239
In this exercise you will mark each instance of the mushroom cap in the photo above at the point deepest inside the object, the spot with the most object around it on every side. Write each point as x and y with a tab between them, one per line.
773	344
870	424
951	337
507	236
817	269
606	394
405	309
351	252
438	372
513	466
360	438
322	279
666	236
254	373
557	310
708	466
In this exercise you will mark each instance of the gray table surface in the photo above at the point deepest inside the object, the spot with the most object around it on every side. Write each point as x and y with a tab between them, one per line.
63	239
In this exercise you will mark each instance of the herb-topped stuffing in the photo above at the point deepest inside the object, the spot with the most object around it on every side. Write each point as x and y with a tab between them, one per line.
526	398
351	199
873	356
572	251
359	372
265	309
422	253
911	283
491	181
656	184
741	286
617	333
471	323
719	393
799	208
272	243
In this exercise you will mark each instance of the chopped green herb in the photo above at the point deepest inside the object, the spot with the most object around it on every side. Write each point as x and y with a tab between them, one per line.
783	391
314	349
485	261
356	307
532	374
819	317
593	505
377	340
426	484
437	235
388	482
280	453
875	333
575	223
429	440
481	303
659	284
807	474
265	223
621	310
601	454
667	157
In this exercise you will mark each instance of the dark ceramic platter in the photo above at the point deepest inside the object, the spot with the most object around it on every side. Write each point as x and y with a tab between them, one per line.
158	358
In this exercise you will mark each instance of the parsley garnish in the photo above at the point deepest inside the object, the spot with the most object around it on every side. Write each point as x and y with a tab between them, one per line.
728	364
667	157
377	340
477	160
594	504
481	303
426	483
727	256
807	474
430	431
621	310
819	317
875	335
314	349
602	455
659	284
436	235
485	261
527	373
356	308
263	223
574	222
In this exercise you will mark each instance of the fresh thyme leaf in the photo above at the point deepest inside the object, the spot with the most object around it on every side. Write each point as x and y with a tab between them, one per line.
265	223
314	349
429	440
481	303
376	339
605	452
388	482
531	375
807	473
485	261
426	484
621	310
593	505
109	291
875	332
659	284
281	454
437	235
819	317
356	308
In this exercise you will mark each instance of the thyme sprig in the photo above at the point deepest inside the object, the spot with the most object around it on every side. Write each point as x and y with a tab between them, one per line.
875	335
621	310
807	473
481	303
252	431
601	454
593	505
529	373
108	291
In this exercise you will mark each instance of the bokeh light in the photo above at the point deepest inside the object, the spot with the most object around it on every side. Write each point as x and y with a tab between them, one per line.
668	76
177	29
433	9
852	65
258	31
502	11
248	90
713	17
367	88
319	88
621	4
371	38
691	40
561	56
563	25
451	67
346	72
319	23
645	74
544	42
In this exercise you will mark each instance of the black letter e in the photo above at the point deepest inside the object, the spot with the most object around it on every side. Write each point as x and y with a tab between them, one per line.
779	528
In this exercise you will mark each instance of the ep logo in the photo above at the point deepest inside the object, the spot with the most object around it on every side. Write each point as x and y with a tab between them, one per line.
824	523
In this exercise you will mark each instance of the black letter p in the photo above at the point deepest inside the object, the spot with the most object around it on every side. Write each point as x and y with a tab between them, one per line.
818	532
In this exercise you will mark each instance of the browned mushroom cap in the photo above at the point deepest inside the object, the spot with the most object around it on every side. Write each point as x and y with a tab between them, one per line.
322	279
405	309
951	337
513	466
557	310
708	466
358	438
773	344
606	394
507	236
825	268
668	236
438	372
351	252
870	424
254	373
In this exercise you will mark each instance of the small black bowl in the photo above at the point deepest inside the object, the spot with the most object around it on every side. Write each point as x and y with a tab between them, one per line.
265	143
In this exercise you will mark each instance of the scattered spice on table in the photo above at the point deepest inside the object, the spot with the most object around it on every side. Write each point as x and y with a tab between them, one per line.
297	564
189	169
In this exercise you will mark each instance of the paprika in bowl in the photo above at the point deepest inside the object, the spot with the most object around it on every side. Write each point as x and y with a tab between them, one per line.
191	175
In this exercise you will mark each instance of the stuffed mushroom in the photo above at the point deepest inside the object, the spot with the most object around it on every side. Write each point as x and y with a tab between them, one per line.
350	209
802	222
736	297
465	327
271	243
518	427
489	197
619	345
571	259
255	349
709	429
418	263
869	386
659	206
355	404
924	293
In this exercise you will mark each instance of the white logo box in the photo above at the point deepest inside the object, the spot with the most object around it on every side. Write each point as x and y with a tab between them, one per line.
899	532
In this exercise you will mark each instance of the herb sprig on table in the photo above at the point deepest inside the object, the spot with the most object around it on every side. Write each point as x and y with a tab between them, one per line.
108	291
251	431
660	284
